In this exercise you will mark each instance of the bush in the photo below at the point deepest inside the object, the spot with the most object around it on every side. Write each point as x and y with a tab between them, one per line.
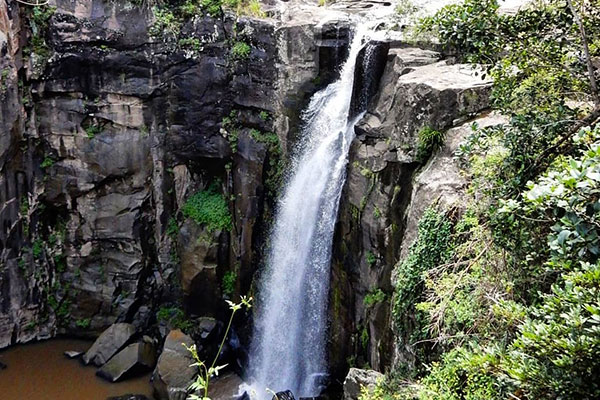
209	208
240	51
428	141
174	317
229	281
375	297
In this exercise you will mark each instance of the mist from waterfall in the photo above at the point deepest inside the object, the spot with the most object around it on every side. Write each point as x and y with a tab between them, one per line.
288	350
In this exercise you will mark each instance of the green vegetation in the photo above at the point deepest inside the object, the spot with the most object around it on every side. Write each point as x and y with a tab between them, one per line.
374	297
371	258
240	51
37	249
428	141
92	130
209	208
199	387
47	162
229	281
172	228
83	323
174	317
504	301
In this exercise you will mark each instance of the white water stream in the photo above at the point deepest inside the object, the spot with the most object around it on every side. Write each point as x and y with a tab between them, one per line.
289	343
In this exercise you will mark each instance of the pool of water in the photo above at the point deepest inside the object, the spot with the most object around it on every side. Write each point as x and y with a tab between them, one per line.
40	371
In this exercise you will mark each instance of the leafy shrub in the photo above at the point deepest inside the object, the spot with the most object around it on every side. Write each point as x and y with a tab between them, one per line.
375	297
172	228
47	162
209	207
38	248
229	281
212	7
174	317
83	323
371	258
428	141
240	51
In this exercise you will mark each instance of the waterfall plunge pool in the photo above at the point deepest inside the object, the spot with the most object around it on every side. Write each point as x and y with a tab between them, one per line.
41	371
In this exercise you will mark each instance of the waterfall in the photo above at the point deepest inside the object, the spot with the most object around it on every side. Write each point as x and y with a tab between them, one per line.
289	343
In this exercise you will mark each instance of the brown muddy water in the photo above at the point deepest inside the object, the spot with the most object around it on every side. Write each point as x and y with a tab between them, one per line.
40	371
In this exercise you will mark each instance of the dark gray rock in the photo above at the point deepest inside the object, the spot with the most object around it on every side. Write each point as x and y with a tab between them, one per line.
357	379
2	366
133	359
129	397
109	343
173	374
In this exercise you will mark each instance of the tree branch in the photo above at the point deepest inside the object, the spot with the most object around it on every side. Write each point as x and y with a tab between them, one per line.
586	51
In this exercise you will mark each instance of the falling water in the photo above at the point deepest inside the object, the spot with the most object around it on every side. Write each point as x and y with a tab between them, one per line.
289	342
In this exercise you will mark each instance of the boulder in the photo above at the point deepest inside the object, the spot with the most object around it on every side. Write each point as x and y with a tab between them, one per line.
133	359
109	343
173	374
129	397
357	379
226	387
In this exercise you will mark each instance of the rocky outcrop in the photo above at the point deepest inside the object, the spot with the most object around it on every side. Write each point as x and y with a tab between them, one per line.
416	91
173	374
133	359
108	344
359	379
105	133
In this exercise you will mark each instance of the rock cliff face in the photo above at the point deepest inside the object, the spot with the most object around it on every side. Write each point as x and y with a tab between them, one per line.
108	127
388	188
106	131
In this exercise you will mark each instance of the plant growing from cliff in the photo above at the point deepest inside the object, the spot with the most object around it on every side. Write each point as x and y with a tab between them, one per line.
228	284
173	317
209	208
166	25
205	372
83	323
47	162
92	130
240	51
428	141
172	228
374	297
371	258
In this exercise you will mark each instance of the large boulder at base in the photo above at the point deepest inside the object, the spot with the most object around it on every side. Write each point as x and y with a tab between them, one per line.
356	379
129	397
133	359
226	387
109	343
173	374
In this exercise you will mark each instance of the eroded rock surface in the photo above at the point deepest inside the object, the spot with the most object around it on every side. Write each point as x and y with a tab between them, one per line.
133	359
109	343
416	91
